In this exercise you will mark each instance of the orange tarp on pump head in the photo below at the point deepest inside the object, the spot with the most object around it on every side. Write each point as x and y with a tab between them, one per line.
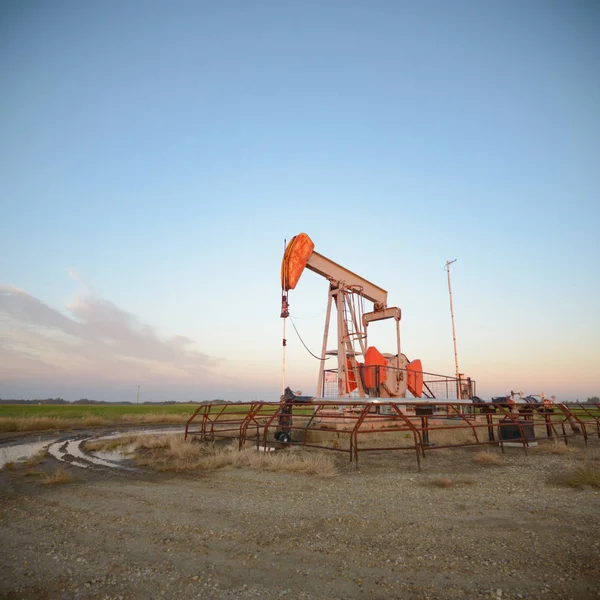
294	261
375	363
415	378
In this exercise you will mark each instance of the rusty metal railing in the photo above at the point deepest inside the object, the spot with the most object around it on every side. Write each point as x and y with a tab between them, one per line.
589	413
229	420
354	427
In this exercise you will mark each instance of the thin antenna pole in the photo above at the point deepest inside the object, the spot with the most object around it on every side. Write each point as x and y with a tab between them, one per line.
284	315
283	363
448	263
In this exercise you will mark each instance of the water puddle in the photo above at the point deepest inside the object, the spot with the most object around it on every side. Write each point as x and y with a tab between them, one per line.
113	456
136	432
22	452
72	450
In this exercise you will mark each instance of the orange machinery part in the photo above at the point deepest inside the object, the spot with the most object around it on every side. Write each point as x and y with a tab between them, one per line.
415	378
295	257
373	360
351	383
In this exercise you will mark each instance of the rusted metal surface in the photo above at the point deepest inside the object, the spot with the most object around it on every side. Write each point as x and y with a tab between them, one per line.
361	426
441	387
590	415
220	421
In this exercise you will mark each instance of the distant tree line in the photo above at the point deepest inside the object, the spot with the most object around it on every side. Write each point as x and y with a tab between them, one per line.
87	401
36	401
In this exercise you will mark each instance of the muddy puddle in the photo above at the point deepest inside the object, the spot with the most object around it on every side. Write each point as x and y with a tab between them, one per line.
70	449
21	452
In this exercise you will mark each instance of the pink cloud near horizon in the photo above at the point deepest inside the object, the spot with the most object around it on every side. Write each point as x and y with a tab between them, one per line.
95	342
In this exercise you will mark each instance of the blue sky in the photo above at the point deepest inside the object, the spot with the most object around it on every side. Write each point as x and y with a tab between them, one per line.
154	156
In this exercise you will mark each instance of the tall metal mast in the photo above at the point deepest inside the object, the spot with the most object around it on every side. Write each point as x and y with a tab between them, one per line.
459	390
284	314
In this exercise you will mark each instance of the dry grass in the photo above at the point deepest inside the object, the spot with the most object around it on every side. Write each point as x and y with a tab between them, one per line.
32	473
165	441
155	418
173	453
590	456
57	477
442	482
92	421
581	475
94	445
307	463
452	437
36	459
169	452
10	465
446	482
332	439
485	457
109	444
53	423
555	447
47	423
219	460
586	474
158	451
33	424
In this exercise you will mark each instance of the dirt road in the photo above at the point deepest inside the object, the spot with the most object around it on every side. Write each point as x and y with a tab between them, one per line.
459	529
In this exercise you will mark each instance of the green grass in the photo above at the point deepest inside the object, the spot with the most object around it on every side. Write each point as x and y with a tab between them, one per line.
592	412
558	414
114	411
81	411
40	417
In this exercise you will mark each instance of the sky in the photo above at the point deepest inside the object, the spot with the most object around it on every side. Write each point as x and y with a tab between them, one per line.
154	156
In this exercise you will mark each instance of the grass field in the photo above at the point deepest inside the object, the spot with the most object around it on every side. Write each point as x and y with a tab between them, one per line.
582	414
80	411
115	411
40	417
592	411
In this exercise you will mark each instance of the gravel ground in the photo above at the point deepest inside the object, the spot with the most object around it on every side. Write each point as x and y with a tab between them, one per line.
384	531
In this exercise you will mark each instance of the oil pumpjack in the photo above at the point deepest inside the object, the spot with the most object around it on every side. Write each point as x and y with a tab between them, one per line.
377	375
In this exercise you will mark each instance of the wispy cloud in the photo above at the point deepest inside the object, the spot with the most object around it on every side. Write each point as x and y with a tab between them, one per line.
93	340
75	275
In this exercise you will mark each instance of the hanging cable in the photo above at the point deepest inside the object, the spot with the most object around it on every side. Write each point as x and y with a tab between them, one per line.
310	318
300	338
